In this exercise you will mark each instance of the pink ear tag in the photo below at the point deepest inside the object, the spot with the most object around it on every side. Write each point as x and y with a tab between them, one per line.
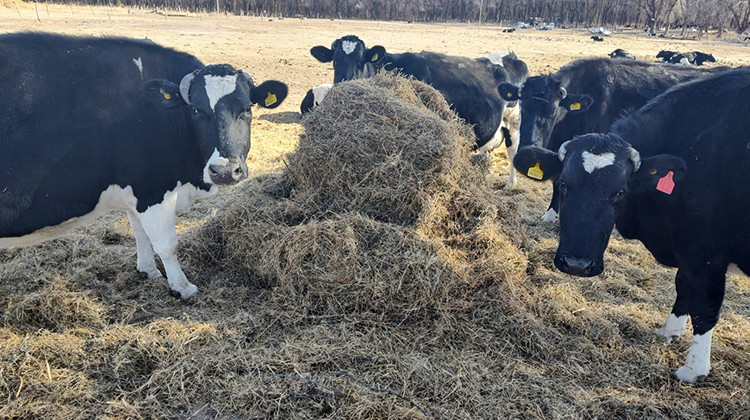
666	184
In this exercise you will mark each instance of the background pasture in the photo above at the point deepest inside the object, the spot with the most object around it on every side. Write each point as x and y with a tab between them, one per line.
82	336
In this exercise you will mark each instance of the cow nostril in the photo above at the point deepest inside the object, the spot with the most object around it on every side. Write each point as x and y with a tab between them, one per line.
238	171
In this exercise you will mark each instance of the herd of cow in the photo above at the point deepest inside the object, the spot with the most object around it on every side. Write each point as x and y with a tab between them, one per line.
662	152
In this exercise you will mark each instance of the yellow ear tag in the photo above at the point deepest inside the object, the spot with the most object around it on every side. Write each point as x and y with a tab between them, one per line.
166	94
270	99
536	171
509	94
652	172
374	57
575	106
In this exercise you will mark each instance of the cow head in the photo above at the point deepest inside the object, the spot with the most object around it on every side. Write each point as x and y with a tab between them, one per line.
219	100
544	102
351	59
597	175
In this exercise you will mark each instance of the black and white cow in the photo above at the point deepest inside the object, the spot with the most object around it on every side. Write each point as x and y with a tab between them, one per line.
676	176
93	124
468	85
587	96
696	58
597	38
314	96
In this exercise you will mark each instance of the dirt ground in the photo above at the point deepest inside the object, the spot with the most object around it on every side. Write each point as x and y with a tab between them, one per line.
271	48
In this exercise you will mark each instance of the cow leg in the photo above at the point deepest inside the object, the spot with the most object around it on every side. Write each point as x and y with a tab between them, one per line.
554	205
674	326
146	264
705	299
511	143
158	222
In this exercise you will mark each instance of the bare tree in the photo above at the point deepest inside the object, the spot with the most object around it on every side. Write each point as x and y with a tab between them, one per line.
739	12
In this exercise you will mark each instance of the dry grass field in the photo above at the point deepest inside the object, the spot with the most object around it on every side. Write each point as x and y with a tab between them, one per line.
387	302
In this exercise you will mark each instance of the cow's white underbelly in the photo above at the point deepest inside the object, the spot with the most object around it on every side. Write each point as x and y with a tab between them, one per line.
113	198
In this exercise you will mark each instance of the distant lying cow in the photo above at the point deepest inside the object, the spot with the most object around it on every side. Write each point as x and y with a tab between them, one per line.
620	53
93	124
468	85
696	58
587	96
676	176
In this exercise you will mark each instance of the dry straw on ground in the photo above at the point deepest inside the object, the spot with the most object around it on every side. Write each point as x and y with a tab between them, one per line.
380	276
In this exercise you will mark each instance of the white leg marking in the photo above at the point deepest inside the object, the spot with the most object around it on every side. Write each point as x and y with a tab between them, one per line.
550	216
592	162
145	262
674	327
698	362
219	86
512	121
158	222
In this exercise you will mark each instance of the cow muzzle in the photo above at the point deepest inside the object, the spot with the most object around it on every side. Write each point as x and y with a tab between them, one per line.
577	266
227	173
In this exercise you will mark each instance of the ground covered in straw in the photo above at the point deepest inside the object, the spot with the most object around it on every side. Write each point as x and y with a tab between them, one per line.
384	274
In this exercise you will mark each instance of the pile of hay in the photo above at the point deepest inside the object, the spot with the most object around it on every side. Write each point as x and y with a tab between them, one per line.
379	209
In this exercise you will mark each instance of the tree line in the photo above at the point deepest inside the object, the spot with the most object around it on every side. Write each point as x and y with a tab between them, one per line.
654	16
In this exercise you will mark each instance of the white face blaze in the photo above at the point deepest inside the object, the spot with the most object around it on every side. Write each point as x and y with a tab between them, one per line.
592	162
218	87
497	58
348	46
139	63
320	92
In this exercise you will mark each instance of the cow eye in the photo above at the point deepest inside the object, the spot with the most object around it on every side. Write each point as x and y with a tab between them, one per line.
617	196
563	188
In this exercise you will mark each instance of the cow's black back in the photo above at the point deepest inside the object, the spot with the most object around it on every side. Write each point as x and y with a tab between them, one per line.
60	93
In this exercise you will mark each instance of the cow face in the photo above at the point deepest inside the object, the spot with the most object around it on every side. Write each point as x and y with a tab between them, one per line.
597	175
351	59
219	100
544	102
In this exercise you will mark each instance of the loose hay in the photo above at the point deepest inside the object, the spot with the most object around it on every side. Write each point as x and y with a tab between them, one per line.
373	262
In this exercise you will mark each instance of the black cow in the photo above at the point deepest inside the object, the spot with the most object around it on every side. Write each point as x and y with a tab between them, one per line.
622	54
676	176
666	56
509	30
587	96
468	85
597	38
92	124
314	96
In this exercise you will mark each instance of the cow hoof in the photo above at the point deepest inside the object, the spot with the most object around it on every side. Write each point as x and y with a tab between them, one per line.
688	376
550	216
511	183
189	291
150	274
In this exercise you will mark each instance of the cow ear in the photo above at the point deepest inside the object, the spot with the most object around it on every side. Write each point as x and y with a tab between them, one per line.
163	93
322	54
374	55
576	103
508	91
269	94
659	173
537	163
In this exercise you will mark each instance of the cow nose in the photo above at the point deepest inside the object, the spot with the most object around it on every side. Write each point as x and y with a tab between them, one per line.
575	265
230	173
